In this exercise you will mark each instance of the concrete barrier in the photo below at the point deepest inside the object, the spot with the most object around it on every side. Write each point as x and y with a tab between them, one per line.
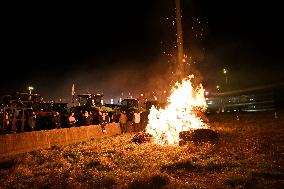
11	144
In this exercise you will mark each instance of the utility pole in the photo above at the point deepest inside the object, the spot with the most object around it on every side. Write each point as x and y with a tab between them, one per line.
73	92
30	88
180	62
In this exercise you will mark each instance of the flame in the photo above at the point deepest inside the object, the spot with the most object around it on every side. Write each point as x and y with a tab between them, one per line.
181	113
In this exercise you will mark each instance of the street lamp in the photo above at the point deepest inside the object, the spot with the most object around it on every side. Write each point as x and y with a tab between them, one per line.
225	72
218	88
30	88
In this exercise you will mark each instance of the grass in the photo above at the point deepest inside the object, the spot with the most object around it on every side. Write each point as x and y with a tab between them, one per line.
248	154
242	182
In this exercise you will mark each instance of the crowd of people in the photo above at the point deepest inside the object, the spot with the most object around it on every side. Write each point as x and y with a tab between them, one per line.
16	122
102	118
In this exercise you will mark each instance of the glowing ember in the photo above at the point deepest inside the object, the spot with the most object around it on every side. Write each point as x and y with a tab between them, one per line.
181	113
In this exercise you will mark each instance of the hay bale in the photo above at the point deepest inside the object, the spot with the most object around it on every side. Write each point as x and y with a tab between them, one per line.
7	163
205	135
198	135
142	137
186	135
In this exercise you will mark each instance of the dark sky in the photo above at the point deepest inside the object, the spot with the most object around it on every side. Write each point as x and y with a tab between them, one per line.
117	46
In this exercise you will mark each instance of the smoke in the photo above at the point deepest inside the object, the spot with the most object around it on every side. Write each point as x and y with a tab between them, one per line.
120	79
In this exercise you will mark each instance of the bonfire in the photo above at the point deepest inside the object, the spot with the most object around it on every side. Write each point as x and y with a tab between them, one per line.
182	113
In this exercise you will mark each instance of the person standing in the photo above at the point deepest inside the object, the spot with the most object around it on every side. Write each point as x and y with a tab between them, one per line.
123	121
57	120
91	116
72	120
32	121
7	122
87	120
136	120
2	123
104	121
14	123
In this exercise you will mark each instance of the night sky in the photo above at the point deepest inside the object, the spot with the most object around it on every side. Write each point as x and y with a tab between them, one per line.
119	47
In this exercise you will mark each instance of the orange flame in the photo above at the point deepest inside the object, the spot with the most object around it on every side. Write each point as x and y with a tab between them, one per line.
179	115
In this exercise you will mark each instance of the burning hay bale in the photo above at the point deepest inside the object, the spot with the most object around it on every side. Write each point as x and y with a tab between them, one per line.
198	135
142	137
184	111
